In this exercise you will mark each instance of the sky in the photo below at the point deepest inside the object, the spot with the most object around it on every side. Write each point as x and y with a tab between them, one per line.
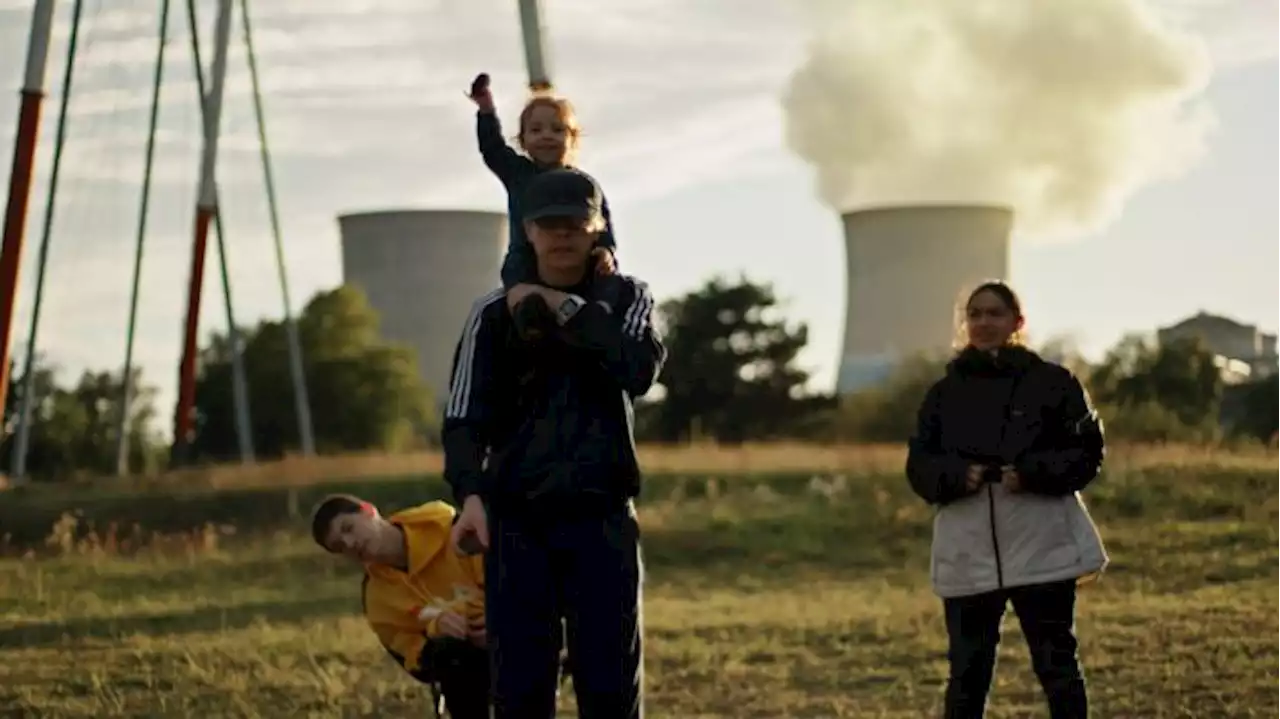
685	126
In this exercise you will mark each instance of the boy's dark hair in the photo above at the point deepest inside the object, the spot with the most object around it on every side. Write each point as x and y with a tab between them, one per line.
329	509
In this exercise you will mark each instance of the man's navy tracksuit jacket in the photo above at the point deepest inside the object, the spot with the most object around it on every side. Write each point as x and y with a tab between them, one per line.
543	432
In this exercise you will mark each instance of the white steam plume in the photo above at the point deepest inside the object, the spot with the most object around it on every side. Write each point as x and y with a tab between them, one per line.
1061	108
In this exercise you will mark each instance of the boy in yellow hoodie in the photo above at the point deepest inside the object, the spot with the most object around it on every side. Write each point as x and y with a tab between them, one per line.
424	601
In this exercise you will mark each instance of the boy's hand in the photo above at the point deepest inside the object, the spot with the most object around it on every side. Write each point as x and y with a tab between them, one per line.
605	264
480	93
476	633
453	625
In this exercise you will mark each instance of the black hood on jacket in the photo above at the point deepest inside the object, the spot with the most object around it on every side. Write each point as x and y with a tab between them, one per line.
1005	361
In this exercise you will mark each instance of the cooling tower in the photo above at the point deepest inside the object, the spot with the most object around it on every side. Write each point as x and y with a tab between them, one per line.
421	270
908	269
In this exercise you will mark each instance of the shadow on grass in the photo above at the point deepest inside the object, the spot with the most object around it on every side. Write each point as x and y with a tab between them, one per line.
168	624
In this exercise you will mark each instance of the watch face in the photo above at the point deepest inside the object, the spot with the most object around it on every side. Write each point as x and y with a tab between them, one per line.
568	309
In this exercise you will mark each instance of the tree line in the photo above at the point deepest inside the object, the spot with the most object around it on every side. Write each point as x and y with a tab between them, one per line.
732	375
365	394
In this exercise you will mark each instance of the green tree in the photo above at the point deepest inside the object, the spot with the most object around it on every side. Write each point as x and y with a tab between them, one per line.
365	393
1256	408
887	413
731	371
73	429
1168	392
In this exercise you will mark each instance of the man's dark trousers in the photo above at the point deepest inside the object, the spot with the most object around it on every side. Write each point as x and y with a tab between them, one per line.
1047	615
585	568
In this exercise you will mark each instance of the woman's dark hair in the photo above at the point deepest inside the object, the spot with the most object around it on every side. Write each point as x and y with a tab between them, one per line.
329	509
1000	289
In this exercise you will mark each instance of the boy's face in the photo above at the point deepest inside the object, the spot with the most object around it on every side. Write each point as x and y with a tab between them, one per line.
546	138
356	535
561	243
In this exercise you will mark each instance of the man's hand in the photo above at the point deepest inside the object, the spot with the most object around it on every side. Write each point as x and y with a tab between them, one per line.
523	291
472	527
480	93
1010	478
553	298
453	625
605	263
532	315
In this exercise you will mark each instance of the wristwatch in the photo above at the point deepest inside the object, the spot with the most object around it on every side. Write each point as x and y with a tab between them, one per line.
570	307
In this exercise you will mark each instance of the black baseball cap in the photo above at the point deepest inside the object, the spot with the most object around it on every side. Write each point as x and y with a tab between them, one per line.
563	192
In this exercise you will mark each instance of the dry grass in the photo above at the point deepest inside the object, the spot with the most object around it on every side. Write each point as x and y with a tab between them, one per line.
689	458
768	596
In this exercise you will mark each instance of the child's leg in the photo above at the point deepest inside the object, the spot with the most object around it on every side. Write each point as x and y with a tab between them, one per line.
519	266
607	239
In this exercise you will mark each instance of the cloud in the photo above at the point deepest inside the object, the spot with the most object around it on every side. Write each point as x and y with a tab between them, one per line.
1237	32
365	109
1062	111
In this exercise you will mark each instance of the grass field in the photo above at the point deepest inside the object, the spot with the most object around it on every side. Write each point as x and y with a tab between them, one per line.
779	593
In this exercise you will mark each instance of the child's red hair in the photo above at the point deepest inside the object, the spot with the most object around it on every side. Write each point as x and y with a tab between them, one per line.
564	113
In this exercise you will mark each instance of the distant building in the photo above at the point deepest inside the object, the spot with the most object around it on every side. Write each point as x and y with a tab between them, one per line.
1243	352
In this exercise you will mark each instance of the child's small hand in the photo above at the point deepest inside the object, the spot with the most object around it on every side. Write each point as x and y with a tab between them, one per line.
480	93
605	264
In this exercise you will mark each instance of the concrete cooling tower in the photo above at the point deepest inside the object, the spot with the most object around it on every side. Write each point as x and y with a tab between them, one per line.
421	270
909	268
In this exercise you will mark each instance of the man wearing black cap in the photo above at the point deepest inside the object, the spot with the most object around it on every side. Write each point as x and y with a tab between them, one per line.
540	453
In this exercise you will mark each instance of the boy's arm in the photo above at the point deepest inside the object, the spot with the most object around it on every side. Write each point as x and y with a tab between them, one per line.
410	649
465	434
475	604
498	156
475	569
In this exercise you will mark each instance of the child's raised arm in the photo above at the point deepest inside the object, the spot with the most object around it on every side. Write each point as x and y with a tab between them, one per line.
498	156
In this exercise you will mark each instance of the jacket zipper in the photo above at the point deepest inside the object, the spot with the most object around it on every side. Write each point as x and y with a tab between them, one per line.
995	543
991	494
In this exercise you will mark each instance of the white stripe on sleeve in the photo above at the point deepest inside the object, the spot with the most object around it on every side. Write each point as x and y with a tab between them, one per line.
639	314
465	366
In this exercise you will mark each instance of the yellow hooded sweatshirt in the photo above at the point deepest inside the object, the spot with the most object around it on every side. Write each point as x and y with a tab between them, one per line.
404	608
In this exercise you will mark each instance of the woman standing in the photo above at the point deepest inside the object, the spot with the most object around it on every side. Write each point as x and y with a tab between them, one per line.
1004	443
